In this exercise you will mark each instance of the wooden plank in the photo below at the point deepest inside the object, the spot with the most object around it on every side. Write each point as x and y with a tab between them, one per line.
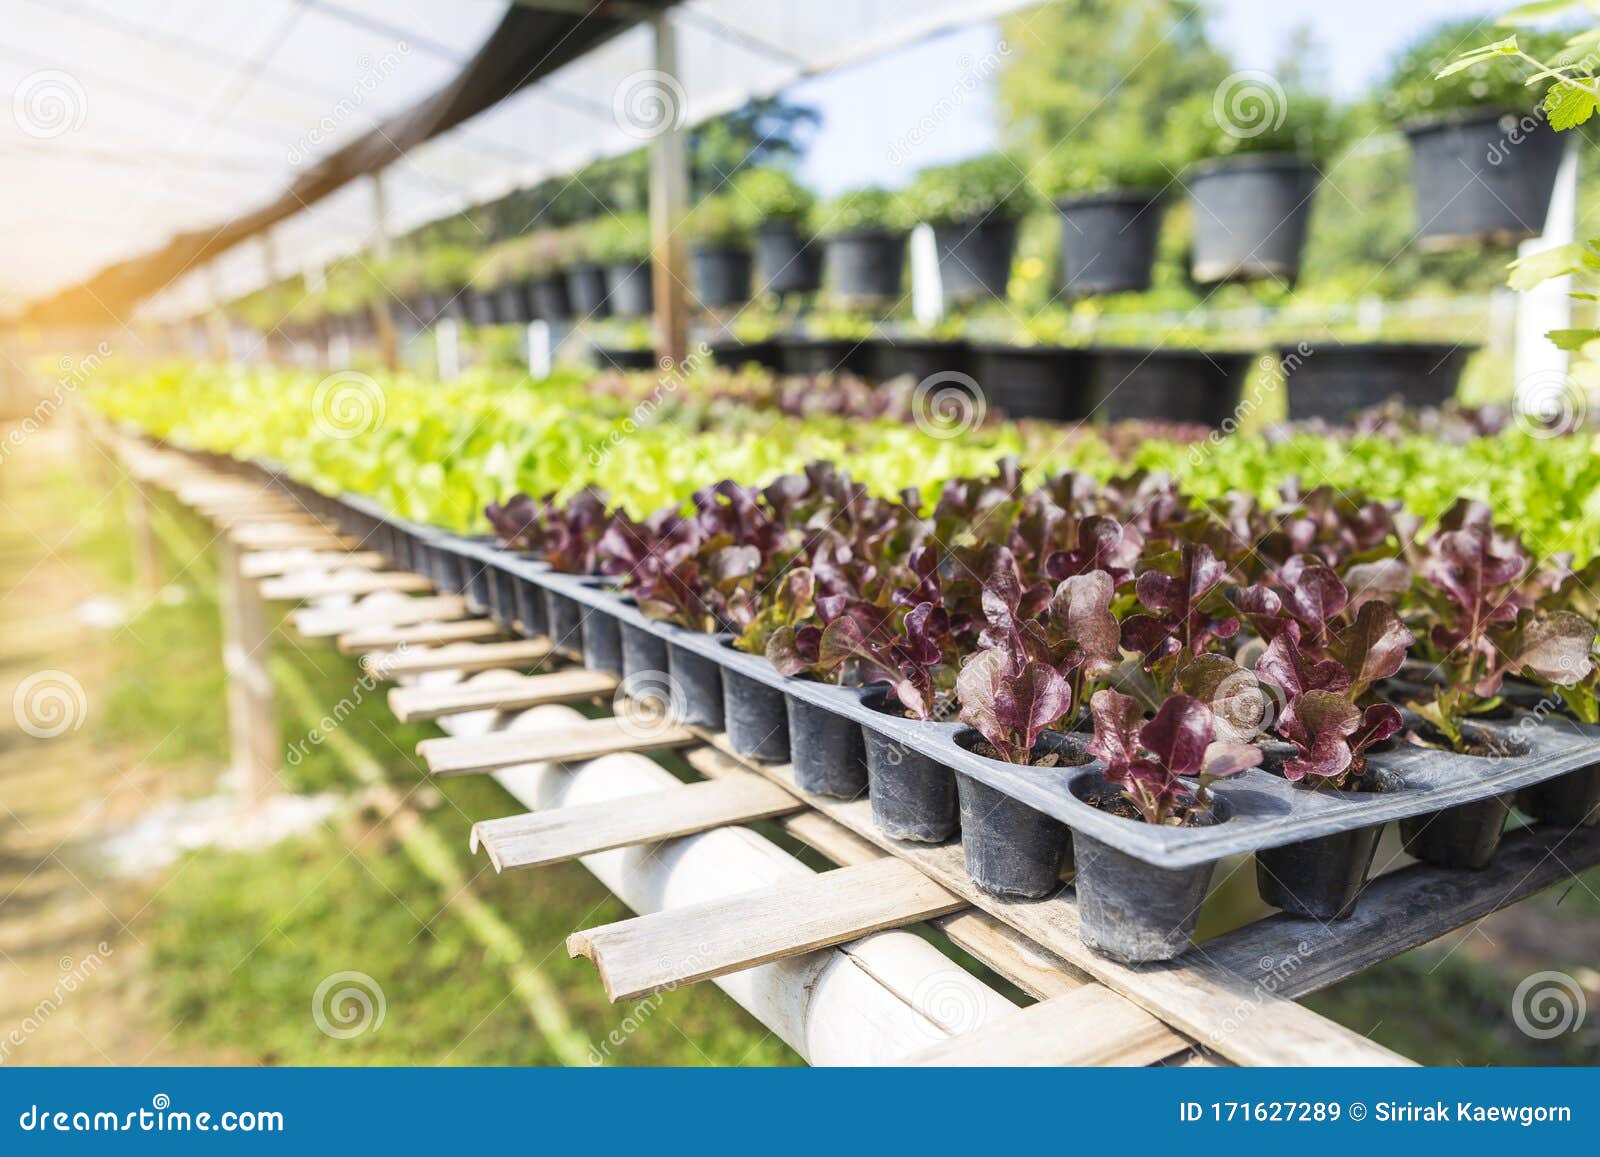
700	941
459	657
419	635
322	622
300	588
290	536
1035	970
1243	1020
1090	1025
516	693
1400	911
581	741
552	837
262	564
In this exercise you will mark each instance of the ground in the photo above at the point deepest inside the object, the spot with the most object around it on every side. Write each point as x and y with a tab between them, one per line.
344	945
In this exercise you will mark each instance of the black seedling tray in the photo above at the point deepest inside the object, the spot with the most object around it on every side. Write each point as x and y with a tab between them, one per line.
1264	810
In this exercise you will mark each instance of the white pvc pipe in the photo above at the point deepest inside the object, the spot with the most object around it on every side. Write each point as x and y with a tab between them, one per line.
873	1001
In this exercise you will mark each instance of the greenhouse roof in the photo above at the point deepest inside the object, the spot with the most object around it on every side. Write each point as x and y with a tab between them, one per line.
148	137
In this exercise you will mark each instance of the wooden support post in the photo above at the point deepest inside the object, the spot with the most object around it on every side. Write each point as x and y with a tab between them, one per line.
246	647
669	204
382	314
146	553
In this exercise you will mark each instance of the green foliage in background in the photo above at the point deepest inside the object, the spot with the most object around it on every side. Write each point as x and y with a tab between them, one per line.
969	191
857	210
774	195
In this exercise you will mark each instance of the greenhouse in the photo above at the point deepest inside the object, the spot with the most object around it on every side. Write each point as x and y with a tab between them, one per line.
976	535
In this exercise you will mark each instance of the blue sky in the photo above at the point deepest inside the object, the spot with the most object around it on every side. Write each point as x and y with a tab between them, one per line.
869	109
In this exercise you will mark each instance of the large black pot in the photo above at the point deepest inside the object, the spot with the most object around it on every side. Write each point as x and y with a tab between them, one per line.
975	256
547	297
586	290
868	263
631	291
1331	381
919	357
806	356
617	358
1250	216
1108	241
1173	385
1483	178
733	353
786	261
721	274
1034	381
511	306
481	306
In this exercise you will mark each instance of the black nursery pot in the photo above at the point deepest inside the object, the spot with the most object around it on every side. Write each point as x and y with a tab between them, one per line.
563	617
602	641
530	608
547	297
1052	382
1010	849
502	596
1464	836
786	261
913	796
631	292
511	304
699	679
1250	216
586	290
1171	385
721	274
827	751
733	353
1133	911
975	256
755	718
1333	381
481	307
643	652
1568	801
1319	878
643	358
1108	241
921	358
808	356
1483	178
867	263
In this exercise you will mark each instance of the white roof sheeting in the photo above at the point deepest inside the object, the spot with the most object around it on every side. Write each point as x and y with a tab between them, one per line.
133	120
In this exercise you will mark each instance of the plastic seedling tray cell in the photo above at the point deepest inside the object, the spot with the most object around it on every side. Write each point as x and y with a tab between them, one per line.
1264	810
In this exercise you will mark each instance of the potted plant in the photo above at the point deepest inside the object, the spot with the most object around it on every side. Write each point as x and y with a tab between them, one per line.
919	352
1251	194
719	252
621	243
1037	657
863	235
446	270
545	261
1045	372
586	281
1108	196
1482	624
1181	376
1156	771
787	260
501	275
1483	154
973	208
1330	379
